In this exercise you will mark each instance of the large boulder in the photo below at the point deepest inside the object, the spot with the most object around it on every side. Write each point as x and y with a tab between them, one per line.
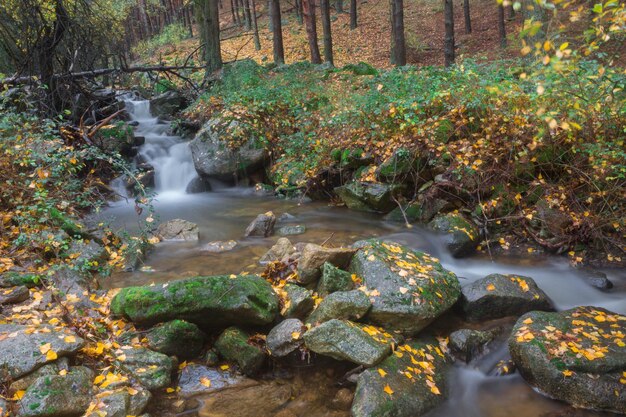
24	349
14	295
497	295
461	236
409	383
368	196
177	338
344	340
408	289
215	158
167	104
577	356
152	369
234	345
178	229
66	395
315	256
206	301
348	305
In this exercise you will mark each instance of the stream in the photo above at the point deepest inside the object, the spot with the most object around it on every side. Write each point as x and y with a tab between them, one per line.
223	215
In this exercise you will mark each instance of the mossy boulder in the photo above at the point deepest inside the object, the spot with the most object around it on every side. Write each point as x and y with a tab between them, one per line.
369	196
315	256
234	345
58	395
498	295
152	369
344	340
409	383
461	236
395	168
297	302
577	356
167	104
421	211
334	279
177	338
14	295
206	301
408	289
345	305
115	138
13	279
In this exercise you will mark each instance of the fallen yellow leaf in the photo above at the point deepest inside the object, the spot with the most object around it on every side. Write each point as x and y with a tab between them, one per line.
388	389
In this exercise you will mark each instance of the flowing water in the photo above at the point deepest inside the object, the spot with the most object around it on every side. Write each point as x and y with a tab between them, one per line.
224	214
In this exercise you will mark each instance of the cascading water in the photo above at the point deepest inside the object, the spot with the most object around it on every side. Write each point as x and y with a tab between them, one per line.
169	155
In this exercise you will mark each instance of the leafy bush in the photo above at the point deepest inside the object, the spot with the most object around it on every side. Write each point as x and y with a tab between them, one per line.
170	35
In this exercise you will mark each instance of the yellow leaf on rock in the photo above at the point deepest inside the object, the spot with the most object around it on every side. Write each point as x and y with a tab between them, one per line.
528	321
567	372
44	348
170	390
51	355
382	372
69	339
388	389
435	390
206	382
491	287
295	335
18	395
224	367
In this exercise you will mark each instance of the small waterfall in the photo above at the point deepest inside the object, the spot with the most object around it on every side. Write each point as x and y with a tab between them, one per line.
170	156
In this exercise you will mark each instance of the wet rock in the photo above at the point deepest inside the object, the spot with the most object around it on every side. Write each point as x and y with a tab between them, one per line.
400	388
315	256
503	368
219	247
198	185
285	338
177	338
20	351
115	138
263	225
291	230
233	345
206	301
365	196
498	295
342	400
87	254
461	236
211	358
577	356
14	295
345	305
333	279
408	289
213	158
193	380
465	344
597	279
282	250
4	408
15	279
58	395
167	104
71	281
145	178
397	166
113	403
286	217
421	211
152	369
298	301
51	368
178	229
344	340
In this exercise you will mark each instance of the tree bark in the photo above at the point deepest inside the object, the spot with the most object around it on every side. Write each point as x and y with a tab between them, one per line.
448	43
211	35
353	14
398	44
468	18
501	27
46	52
339	6
299	12
308	8
326	28
255	26
277	32
247	15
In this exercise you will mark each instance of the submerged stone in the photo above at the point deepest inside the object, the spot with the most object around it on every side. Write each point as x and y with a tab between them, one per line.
408	289
291	230
206	301
577	356
178	229
465	344
262	225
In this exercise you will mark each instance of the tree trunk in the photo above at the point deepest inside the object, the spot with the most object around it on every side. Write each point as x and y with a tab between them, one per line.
339	6
398	44
255	27
308	8
326	28
189	18
277	32
501	27
232	11
46	52
299	12
448	43
210	34
511	12
247	15
143	17
468	19
353	16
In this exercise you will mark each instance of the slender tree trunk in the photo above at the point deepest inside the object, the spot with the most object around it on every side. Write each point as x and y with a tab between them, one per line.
448	43
247	15
353	14
210	34
277	31
326	29
189	20
398	44
339	6
240	13
299	12
511	12
46	54
468	18
255	26
143	17
232	11
501	27
308	7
